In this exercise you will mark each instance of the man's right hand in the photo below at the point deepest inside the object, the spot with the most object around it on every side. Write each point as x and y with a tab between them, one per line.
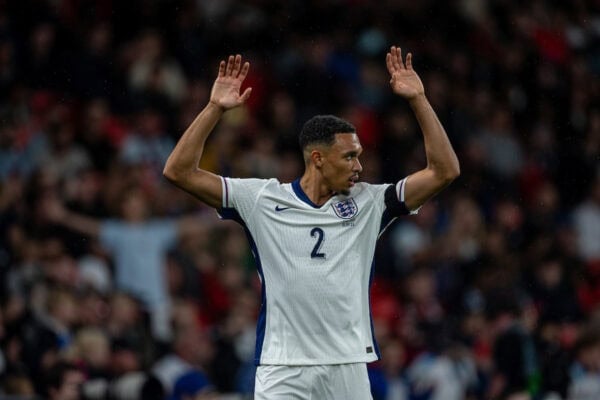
225	92
182	166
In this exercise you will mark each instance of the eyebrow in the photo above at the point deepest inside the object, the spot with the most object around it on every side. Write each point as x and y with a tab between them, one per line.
352	153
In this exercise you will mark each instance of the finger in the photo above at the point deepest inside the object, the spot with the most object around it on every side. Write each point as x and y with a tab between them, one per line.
244	70
395	63
229	68
221	68
400	58
388	63
409	61
246	94
237	65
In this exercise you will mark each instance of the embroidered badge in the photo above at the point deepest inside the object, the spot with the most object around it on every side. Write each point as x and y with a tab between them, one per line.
345	209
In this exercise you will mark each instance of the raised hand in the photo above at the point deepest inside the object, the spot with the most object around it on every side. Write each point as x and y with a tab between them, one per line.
225	92
404	80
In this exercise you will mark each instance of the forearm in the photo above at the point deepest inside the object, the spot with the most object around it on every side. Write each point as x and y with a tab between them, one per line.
186	155
441	158
182	166
81	223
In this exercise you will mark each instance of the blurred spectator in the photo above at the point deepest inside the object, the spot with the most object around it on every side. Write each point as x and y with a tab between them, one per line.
7	64
101	133
193	385
388	380
60	317
447	375
503	150
152	71
139	247
125	357
10	154
63	382
37	340
191	352
129	386
412	239
588	289
147	144
587	223
42	60
554	344
552	291
17	386
91	351
517	370
235	346
421	325
585	370
92	70
62	157
125	315
19	150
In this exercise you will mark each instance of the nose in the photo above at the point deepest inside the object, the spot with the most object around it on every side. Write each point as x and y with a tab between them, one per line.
357	167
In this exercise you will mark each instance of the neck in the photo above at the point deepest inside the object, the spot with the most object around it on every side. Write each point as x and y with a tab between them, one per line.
314	186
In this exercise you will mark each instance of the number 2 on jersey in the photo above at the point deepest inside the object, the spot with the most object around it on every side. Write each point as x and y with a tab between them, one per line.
318	232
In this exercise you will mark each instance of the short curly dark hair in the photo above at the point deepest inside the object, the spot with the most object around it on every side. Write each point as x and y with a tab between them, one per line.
322	129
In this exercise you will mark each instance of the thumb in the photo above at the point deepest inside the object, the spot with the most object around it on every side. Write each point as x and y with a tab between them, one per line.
245	95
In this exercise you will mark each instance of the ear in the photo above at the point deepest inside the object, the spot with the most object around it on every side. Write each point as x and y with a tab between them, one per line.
316	158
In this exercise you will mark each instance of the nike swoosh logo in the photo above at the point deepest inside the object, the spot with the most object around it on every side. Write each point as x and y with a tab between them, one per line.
277	208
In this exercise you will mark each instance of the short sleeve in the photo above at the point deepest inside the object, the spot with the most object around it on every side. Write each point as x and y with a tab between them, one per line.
240	196
394	200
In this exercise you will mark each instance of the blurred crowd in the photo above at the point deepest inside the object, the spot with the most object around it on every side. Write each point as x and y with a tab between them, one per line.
116	285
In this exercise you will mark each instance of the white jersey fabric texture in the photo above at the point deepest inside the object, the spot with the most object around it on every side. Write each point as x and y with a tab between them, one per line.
315	264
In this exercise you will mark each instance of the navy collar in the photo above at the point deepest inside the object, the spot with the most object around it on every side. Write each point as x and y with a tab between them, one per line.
301	195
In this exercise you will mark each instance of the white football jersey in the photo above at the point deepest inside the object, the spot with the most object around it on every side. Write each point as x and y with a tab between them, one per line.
315	264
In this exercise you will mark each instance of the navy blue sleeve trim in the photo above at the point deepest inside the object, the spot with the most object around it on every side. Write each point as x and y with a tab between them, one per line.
393	205
232	214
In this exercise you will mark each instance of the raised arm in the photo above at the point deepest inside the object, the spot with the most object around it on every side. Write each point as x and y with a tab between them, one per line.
57	213
182	166
442	164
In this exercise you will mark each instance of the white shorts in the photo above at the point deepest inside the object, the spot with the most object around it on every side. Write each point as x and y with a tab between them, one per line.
312	382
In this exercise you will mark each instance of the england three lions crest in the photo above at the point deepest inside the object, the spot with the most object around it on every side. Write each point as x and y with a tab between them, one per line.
345	209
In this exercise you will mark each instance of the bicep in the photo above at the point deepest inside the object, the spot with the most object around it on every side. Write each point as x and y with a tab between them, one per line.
421	186
204	185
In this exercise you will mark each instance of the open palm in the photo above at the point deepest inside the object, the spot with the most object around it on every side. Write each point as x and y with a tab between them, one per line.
404	80
226	90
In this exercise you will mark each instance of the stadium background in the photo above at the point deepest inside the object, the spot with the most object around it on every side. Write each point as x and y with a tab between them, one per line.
492	289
